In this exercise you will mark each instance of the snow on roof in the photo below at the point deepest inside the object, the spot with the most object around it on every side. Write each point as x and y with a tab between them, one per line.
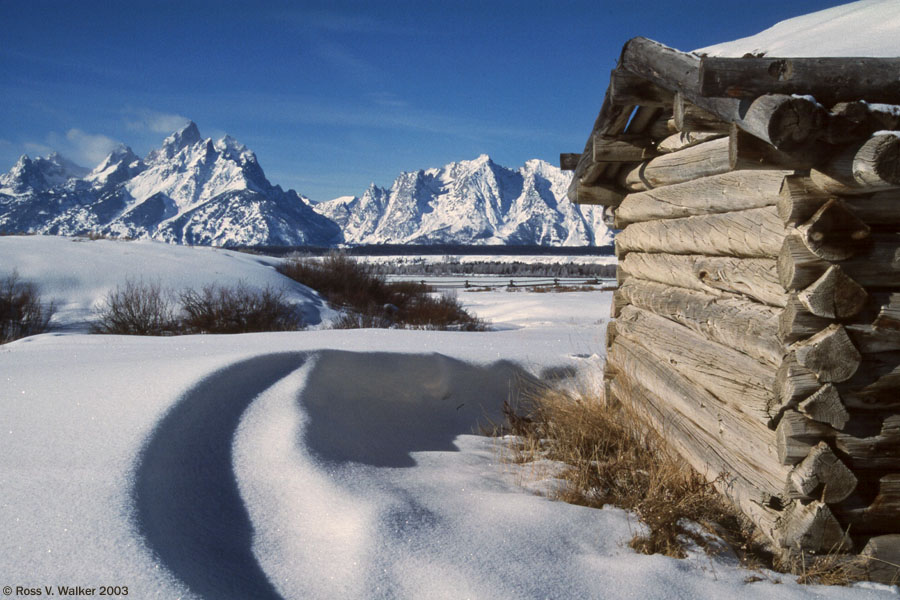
863	28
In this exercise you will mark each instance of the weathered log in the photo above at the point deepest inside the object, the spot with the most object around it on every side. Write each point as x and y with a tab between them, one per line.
738	190
598	194
825	406
787	122
691	118
702	160
829	80
569	161
833	232
746	326
796	435
735	378
875	511
862	168
612	120
850	122
812	527
662	127
889	314
800	198
796	322
611	334
629	89
734	441
833	295
830	354
752	233
874	387
800	527
644	117
608	149
749	153
822	476
681	140
700	449
875	266
752	277
883	559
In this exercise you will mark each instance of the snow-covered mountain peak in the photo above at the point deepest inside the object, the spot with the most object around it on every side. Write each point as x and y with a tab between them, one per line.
40	174
469	202
188	135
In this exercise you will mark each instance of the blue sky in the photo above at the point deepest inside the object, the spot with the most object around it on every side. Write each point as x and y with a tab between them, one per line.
334	95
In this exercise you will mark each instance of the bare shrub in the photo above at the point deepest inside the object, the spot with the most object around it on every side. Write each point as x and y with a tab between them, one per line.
138	308
238	309
371	301
21	311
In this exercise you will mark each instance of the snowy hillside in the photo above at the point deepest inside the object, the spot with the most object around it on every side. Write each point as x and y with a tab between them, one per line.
191	190
864	28
470	202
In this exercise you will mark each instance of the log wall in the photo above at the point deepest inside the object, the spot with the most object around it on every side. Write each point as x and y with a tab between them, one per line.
757	311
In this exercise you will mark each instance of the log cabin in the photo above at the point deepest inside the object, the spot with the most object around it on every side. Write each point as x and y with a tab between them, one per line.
757	316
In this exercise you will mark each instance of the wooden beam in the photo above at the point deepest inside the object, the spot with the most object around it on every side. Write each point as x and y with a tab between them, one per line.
785	121
830	354
800	198
800	527
874	387
681	140
690	118
569	161
598	194
864	168
822	475
735	442
746	326
752	233
617	149
733	377
833	295
702	160
829	80
796	435
754	278
630	89
748	152
874	509
738	190
875	266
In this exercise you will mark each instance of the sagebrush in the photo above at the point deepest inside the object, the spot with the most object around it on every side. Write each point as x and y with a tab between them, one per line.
145	308
369	300
22	312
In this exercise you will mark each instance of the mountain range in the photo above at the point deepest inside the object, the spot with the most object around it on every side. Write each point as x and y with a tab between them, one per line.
193	190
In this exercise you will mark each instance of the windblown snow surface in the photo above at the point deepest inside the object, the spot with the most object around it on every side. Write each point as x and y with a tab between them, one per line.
312	464
863	28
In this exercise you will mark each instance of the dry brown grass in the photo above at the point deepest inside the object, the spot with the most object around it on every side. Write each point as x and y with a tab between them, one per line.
615	458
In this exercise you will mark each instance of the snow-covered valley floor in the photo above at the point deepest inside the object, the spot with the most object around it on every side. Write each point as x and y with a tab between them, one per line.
312	464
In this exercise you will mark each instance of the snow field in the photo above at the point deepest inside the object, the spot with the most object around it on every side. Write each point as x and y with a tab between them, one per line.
312	464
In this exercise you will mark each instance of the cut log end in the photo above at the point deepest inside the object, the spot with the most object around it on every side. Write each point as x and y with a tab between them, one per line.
834	295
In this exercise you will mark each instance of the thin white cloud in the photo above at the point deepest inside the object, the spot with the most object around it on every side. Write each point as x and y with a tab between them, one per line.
145	119
84	148
88	148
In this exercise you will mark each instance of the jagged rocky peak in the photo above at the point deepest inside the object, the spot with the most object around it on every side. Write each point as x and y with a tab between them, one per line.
41	173
183	138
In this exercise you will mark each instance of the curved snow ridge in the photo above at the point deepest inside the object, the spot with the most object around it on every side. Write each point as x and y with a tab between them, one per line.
247	485
186	499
